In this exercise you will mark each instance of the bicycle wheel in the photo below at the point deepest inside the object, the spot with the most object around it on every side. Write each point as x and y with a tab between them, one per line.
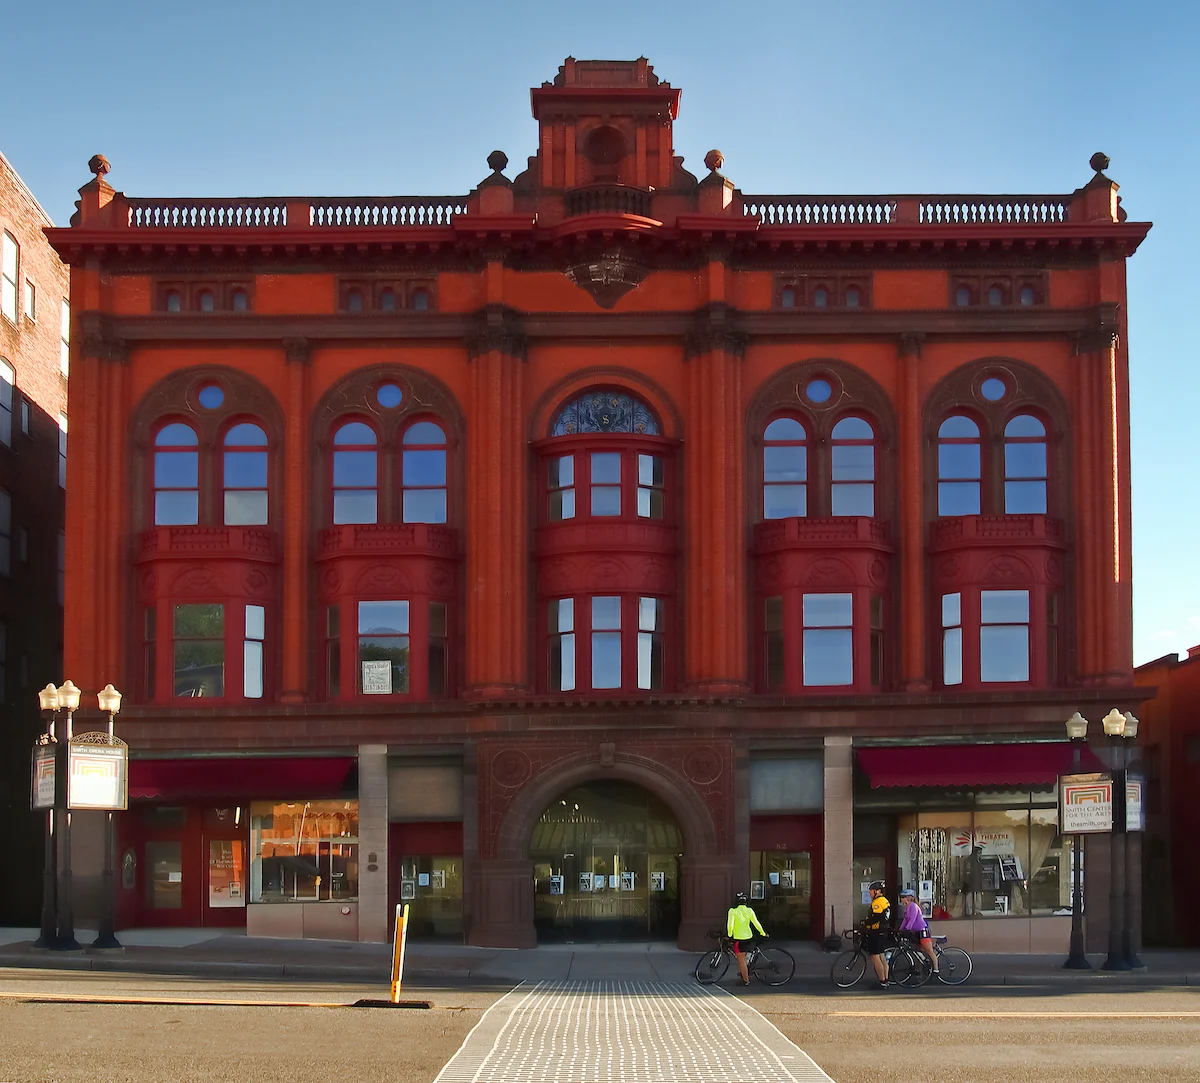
774	966
954	966
712	966
920	968
900	965
848	969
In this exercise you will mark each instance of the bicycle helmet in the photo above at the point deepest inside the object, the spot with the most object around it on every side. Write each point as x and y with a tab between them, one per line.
876	885
741	897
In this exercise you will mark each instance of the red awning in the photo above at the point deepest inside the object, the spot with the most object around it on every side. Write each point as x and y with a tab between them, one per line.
994	767
240	779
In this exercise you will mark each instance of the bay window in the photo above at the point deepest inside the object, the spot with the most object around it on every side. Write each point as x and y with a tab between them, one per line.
562	487
199	650
1003	636
625	637
209	642
828	657
383	643
605	482
987	637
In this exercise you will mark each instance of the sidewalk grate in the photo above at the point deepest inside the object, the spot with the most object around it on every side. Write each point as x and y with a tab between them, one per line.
626	1032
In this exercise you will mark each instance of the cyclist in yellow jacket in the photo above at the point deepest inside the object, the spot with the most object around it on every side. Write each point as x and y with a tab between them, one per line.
738	928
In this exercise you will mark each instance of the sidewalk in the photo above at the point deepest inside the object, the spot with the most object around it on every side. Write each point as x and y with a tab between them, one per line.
222	954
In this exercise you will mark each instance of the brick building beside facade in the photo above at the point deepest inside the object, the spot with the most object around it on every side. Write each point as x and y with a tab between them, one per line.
34	329
1170	741
565	556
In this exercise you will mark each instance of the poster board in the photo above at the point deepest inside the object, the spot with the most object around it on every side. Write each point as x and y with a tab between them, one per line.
1085	803
97	773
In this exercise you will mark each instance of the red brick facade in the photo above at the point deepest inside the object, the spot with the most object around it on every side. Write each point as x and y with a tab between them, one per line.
30	606
605	269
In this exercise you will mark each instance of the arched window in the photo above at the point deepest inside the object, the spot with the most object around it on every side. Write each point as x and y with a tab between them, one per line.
245	475
962	296
820	297
1024	466
354	301
787	299
1027	295
958	466
853	297
174	301
355	474
241	301
852	480
995	296
785	469
176	476
206	300
424	473
387	300
420	300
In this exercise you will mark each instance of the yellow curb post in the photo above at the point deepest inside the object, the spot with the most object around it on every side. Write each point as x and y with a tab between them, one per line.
398	951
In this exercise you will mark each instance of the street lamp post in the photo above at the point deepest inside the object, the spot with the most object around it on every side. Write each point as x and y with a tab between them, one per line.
109	700
48	700
1132	936
1077	959
68	700
1114	730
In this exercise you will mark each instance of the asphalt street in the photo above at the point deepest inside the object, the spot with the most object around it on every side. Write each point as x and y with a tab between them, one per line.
932	1034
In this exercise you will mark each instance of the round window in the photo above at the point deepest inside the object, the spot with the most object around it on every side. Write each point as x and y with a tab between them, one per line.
388	395
211	396
819	390
993	389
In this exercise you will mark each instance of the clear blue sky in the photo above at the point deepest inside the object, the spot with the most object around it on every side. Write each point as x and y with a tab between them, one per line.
260	98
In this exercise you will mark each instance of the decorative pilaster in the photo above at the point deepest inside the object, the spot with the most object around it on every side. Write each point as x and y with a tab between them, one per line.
497	546
1099	505
714	534
838	824
914	657
294	624
374	925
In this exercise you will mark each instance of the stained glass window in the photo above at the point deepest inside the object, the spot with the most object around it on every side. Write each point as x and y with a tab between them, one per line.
605	411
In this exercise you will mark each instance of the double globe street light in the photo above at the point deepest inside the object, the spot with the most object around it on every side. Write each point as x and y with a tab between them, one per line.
1124	852
58	912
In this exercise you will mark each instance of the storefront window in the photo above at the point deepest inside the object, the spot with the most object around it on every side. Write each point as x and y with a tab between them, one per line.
433	889
994	855
304	851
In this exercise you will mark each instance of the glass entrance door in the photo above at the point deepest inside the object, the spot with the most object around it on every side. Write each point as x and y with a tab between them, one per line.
606	866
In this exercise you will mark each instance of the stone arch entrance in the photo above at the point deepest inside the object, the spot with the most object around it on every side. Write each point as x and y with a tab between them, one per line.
504	896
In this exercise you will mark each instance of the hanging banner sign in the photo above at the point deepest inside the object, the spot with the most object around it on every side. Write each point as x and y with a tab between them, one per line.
1085	803
1135	817
97	774
44	791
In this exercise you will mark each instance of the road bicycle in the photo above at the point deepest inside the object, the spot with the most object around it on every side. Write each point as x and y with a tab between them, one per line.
954	964
908	966
771	966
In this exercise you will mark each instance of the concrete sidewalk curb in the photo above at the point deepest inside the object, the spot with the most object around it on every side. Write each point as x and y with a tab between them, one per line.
100	964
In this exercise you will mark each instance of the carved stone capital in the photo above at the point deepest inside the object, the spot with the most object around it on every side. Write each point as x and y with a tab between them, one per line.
297	351
1102	334
95	340
497	328
909	343
716	328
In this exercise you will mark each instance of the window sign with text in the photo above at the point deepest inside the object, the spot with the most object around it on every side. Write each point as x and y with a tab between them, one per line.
377	678
1135	816
44	792
1085	803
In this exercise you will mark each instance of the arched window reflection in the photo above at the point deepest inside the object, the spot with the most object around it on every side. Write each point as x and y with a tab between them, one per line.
1025	466
852	483
355	474
244	467
958	466
423	472
176	476
785	469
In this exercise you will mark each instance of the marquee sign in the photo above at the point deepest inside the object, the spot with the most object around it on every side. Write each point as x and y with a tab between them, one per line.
1085	803
97	773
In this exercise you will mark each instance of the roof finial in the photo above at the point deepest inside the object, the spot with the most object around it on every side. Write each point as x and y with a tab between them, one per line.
98	164
1099	161
497	161
714	159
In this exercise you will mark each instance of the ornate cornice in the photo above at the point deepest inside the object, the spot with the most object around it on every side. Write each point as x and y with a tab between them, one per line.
608	277
500	329
97	340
